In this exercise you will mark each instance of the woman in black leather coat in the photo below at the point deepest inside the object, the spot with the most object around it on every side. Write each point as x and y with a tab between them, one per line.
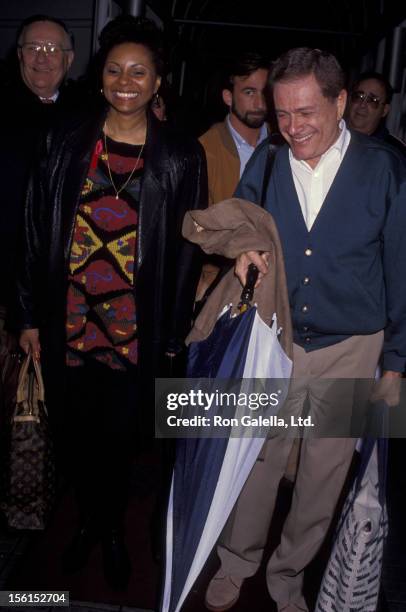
107	285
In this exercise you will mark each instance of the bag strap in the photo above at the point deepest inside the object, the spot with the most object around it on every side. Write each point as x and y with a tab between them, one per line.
22	388
368	446
40	380
378	413
272	149
22	393
252	273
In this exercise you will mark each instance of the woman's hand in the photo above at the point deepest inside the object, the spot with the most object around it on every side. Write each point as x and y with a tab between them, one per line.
251	257
29	342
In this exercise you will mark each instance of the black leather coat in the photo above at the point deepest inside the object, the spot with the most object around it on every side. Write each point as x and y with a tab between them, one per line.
27	118
168	267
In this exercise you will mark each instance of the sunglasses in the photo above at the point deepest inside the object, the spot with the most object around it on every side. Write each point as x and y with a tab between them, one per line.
369	98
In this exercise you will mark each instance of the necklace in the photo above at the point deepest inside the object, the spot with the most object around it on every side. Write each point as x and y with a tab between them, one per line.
118	191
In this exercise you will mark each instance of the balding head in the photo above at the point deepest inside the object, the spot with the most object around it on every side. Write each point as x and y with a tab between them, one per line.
45	54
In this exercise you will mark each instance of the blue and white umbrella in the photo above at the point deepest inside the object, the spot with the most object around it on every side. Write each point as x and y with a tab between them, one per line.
210	473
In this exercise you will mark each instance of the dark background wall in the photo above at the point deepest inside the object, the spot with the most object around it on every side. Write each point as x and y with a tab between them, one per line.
202	34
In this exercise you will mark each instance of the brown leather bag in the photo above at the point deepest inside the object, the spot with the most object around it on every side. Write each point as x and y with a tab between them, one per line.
28	489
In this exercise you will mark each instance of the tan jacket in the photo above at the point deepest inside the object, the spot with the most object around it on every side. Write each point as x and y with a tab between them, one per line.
230	228
223	162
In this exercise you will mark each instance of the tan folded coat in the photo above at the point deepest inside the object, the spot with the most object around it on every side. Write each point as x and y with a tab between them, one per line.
230	228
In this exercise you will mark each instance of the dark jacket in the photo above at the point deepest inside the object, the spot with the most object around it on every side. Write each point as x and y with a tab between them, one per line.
27	117
346	275
167	268
382	133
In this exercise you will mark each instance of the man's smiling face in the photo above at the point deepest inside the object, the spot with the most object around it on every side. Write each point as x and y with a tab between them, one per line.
307	119
42	71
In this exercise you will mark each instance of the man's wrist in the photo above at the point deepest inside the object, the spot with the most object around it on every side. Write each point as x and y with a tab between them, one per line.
391	374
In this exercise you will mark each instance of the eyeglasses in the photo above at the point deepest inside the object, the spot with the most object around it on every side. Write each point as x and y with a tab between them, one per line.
369	98
33	49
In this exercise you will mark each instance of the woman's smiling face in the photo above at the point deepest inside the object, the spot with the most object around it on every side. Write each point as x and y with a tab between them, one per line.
130	78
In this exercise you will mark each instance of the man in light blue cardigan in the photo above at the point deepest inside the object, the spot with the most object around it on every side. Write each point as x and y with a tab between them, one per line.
339	202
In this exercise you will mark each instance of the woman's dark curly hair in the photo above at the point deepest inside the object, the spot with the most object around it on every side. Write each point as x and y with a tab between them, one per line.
129	29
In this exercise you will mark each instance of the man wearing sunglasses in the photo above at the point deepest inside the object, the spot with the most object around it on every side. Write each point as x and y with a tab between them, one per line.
369	105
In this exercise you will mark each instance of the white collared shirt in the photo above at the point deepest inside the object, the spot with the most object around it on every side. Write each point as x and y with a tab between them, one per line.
244	149
52	98
312	185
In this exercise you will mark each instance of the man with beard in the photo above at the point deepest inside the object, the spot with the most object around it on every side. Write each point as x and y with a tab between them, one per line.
229	144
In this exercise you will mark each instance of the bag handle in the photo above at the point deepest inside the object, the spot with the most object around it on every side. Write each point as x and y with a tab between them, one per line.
272	151
378	414
368	446
22	388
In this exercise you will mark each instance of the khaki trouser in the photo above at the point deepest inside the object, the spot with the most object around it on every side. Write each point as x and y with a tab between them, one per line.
323	466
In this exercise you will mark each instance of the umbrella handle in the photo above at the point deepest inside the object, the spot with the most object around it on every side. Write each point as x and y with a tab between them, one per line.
248	291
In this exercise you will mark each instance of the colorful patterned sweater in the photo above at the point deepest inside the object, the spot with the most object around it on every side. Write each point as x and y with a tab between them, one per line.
101	310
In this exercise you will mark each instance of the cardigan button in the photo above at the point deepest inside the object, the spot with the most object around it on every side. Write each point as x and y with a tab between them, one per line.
308	340
305	308
306	280
308	252
305	329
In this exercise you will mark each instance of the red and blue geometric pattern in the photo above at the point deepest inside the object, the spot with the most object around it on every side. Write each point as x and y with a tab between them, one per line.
101	311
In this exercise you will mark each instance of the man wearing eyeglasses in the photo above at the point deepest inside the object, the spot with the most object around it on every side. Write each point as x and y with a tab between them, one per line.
368	107
45	54
36	97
